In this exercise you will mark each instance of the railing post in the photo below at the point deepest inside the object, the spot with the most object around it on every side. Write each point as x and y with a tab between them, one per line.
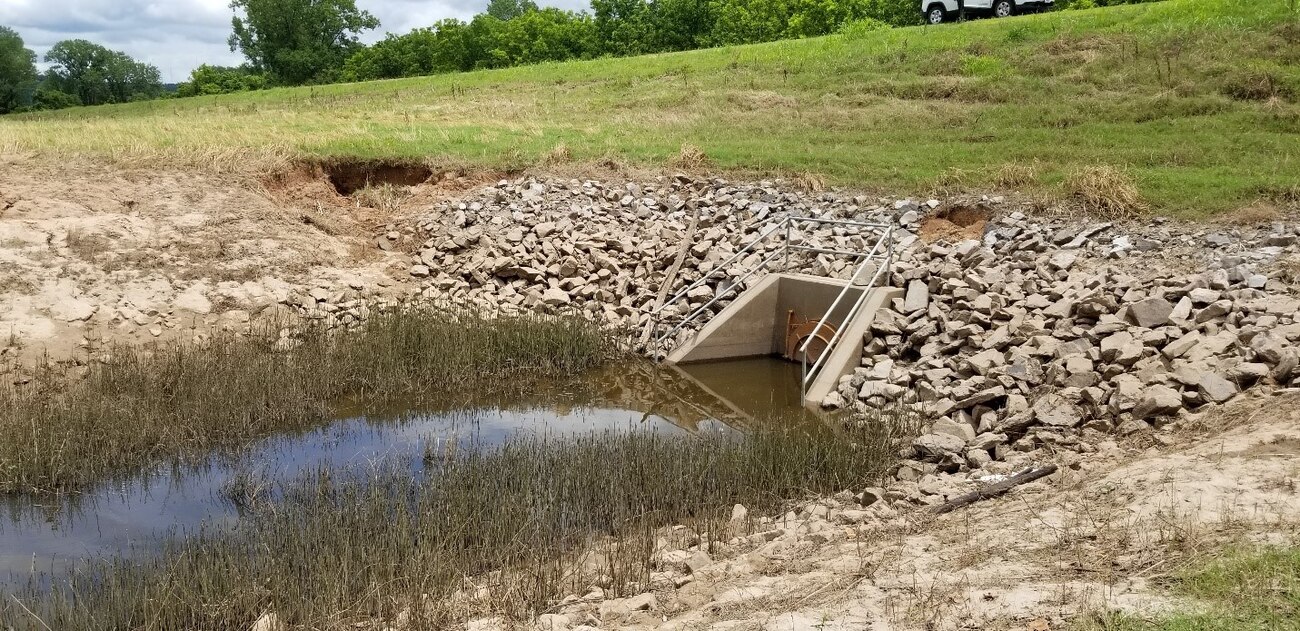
785	265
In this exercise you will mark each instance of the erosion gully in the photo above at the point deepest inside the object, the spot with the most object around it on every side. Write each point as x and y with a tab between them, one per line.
40	537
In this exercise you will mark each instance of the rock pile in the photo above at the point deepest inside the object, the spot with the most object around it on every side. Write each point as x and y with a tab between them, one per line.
1017	334
1018	340
608	250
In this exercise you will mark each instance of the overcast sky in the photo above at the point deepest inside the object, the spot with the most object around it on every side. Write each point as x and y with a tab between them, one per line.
178	35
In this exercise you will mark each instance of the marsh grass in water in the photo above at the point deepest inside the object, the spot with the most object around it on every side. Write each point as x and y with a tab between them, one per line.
503	531
151	404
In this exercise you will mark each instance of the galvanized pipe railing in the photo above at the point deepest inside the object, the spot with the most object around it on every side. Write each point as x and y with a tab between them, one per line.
787	224
887	262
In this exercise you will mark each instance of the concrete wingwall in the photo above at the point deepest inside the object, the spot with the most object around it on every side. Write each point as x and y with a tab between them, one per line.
754	324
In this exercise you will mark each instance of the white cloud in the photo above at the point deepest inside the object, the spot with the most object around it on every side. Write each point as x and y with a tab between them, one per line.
179	35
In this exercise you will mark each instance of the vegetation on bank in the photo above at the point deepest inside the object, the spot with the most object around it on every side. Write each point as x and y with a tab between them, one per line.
1195	100
495	532
152	404
1247	589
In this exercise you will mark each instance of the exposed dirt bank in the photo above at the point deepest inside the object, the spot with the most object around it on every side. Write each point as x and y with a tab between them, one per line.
1099	535
91	253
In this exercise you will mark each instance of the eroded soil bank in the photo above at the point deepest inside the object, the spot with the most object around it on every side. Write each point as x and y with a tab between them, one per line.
1121	350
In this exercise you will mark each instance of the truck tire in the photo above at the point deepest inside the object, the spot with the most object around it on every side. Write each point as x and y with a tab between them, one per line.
1003	8
935	14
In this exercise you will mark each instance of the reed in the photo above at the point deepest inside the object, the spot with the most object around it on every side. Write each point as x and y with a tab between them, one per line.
151	404
503	531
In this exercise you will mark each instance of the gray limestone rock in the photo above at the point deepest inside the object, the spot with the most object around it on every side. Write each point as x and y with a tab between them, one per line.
1158	400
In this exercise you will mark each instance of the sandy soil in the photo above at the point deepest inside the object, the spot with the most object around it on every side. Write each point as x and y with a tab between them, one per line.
91	253
1100	534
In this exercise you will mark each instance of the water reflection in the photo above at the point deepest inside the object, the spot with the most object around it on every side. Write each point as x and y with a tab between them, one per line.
49	534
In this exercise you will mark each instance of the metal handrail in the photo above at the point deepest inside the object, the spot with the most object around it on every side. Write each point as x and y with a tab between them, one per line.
787	223
888	259
678	296
716	297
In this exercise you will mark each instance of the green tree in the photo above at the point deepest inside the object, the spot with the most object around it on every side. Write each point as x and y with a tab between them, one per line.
17	71
542	35
680	24
221	80
299	41
509	9
624	27
96	75
891	12
48	97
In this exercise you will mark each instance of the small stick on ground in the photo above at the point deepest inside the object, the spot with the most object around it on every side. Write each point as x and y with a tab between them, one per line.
994	490
671	276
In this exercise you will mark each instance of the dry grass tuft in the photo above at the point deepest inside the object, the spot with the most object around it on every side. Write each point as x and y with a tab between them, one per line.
14	279
1015	175
559	155
1107	191
1288	269
323	220
954	179
690	158
86	245
386	198
811	182
1260	212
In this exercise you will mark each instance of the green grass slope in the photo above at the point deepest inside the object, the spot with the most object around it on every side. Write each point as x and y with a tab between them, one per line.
1196	99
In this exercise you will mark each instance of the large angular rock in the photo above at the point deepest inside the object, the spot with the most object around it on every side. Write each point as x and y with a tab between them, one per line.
1027	369
555	297
881	389
1213	310
1151	313
69	309
983	396
1180	346
983	361
918	296
1214	388
1203	296
1121	348
1158	400
935	446
1267	348
954	428
1127	393
1058	411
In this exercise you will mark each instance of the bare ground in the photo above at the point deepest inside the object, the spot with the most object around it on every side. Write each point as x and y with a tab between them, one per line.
90	253
1102	534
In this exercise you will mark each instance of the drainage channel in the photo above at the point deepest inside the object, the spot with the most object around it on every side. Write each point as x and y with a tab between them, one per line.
42	537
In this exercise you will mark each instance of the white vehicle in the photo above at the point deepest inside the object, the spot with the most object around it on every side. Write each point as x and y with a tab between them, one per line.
939	11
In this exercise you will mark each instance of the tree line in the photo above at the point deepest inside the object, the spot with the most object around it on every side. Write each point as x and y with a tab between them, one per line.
81	73
301	42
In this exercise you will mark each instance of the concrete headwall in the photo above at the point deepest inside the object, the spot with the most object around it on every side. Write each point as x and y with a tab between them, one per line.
754	324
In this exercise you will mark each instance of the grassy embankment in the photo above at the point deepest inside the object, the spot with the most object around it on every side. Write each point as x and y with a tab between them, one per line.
154	404
1244	590
1196	99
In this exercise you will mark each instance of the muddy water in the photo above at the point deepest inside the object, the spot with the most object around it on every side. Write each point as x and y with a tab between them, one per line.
44	536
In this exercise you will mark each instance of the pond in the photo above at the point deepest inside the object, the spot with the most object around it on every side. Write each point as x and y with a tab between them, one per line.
42	536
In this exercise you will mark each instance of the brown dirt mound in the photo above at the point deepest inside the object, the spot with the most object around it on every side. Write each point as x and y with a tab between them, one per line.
955	223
